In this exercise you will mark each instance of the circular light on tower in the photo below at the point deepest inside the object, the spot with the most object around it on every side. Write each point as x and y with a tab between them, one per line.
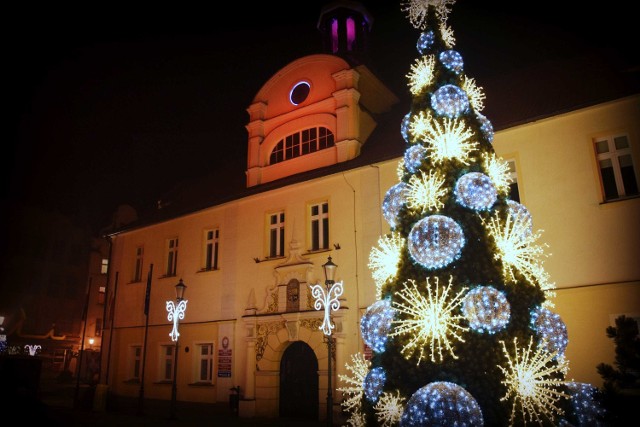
486	309
475	190
425	41
452	60
299	93
413	157
441	404
373	383
435	241
485	127
450	101
550	327
393	202
375	324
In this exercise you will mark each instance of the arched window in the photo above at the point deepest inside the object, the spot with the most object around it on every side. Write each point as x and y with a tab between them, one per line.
301	143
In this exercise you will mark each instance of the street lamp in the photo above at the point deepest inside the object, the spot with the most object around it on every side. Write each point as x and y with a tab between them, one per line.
175	313
91	341
327	298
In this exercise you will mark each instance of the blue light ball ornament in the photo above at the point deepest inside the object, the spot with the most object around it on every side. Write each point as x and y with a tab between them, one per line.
485	127
550	327
393	201
442	404
476	191
425	41
375	325
486	309
452	60
585	403
373	383
413	157
435	241
450	101
404	127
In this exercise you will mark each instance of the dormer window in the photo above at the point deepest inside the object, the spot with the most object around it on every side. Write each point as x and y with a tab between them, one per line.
301	143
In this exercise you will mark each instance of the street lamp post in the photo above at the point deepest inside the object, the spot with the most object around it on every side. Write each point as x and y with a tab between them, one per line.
175	313
327	298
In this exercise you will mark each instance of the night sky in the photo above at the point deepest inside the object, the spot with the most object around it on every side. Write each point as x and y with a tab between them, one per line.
113	103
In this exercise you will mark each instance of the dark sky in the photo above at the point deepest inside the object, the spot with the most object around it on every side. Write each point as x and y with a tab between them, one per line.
113	103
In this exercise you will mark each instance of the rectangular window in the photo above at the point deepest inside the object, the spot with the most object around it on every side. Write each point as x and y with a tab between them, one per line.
101	294
514	192
136	362
276	235
104	266
617	174
137	266
319	215
171	257
211	244
98	330
166	363
205	362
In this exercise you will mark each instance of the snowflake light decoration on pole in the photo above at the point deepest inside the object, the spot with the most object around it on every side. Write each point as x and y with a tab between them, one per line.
327	298
432	322
175	313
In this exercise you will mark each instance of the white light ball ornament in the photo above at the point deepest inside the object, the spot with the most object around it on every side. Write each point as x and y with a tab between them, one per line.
486	309
435	241
450	101
373	383
521	215
585	404
393	201
551	329
485	127
441	404
476	191
413	157
425	41
375	325
452	60
404	127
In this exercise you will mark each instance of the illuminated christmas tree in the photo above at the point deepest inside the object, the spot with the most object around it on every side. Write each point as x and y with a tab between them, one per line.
462	332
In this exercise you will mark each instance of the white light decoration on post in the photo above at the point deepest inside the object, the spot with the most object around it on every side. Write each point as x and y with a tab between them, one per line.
328	298
175	314
32	349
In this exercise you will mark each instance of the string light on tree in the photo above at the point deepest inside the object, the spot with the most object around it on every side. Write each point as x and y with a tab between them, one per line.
384	259
433	322
425	191
498	171
375	324
551	329
446	140
421	75
442	403
435	241
373	384
452	60
533	385
450	101
486	309
394	201
476	191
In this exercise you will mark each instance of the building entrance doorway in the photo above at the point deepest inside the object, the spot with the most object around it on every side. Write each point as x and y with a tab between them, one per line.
299	382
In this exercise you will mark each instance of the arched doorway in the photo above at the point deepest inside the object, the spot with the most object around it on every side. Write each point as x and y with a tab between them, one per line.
299	382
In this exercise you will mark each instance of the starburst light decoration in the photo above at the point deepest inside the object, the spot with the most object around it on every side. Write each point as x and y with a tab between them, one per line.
553	331
373	383
175	313
519	213
389	409
353	389
533	387
394	201
413	157
356	419
375	324
584	400
447	139
498	171
384	259
485	127
517	250
452	60
432	322
442	403
421	75
474	93
426	191
420	123
486	309
447	35
449	101
417	11
435	241
425	41
475	190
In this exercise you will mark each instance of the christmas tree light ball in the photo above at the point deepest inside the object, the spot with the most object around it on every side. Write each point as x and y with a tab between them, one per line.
435	241
476	191
443	404
404	127
375	324
393	202
585	404
520	214
486	309
449	101
413	157
425	41
550	327
485	127
373	383
452	60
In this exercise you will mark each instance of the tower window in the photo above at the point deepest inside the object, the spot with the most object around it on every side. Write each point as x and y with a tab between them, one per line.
301	143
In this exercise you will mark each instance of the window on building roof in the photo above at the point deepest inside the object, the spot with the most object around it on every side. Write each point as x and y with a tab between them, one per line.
618	176
302	143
